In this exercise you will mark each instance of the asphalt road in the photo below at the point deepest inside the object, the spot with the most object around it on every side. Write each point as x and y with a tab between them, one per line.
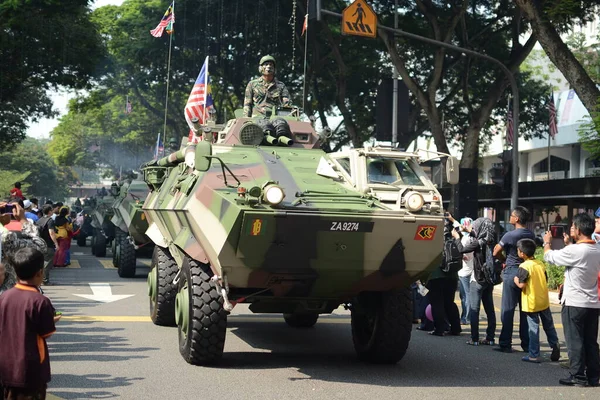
112	350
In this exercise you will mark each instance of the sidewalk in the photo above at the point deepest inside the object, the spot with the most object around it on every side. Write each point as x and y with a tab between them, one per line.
553	295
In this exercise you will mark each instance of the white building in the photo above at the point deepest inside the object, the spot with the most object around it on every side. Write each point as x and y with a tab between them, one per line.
568	158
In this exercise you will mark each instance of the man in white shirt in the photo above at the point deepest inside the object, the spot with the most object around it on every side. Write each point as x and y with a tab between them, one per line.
581	306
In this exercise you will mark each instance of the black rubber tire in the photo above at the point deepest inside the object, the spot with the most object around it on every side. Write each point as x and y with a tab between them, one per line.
100	244
304	320
113	251
162	310
204	340
93	243
81	240
125	255
382	325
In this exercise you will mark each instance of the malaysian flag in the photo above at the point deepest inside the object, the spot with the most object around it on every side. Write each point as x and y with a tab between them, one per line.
166	23
510	134
566	111
553	129
128	108
200	99
159	149
304	25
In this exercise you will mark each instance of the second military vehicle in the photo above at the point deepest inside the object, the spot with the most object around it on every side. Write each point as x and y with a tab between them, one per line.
255	213
130	225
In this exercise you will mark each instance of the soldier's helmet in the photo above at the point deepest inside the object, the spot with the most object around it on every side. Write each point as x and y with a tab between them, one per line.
267	58
262	68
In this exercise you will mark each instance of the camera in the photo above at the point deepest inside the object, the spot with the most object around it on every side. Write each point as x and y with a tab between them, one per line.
557	231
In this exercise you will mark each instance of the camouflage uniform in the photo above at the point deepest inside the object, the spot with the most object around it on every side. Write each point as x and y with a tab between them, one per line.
262	95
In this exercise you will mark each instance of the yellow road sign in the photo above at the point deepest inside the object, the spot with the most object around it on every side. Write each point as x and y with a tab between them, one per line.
359	19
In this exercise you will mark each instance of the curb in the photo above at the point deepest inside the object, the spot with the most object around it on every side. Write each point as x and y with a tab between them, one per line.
553	295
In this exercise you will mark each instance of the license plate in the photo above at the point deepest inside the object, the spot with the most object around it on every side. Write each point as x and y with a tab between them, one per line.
347	226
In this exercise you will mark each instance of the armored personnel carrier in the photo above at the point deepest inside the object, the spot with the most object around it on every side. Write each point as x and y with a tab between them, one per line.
103	231
256	213
130	225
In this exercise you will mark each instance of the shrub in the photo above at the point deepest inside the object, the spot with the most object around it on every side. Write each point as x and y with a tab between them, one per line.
555	272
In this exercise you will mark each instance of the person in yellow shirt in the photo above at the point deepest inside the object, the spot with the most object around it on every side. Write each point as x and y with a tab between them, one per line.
531	278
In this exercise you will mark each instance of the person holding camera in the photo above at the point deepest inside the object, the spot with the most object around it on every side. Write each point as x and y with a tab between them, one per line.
442	285
481	235
13	241
579	299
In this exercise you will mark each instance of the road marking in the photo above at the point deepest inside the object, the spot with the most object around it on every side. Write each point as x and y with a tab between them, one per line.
105	318
74	264
232	318
102	292
107	264
50	396
147	263
78	253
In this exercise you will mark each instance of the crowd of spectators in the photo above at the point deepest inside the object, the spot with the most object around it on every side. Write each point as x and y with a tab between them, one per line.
524	284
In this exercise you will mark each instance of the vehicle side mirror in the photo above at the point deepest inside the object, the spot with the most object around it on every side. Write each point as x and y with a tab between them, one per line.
202	158
452	171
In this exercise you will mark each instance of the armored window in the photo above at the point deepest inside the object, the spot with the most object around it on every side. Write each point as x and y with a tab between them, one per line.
392	171
345	163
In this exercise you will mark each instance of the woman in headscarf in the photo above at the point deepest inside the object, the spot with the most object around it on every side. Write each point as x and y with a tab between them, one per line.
465	273
480	239
64	230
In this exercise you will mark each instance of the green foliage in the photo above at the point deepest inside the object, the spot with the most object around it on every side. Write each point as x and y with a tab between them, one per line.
7	182
45	45
29	163
555	272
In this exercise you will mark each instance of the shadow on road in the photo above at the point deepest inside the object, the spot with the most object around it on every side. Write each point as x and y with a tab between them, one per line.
91	381
325	352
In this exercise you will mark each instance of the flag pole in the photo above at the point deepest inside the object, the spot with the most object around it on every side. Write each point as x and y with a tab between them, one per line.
167	95
548	155
205	91
305	61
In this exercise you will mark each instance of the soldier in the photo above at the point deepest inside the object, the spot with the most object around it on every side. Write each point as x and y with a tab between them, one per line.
265	92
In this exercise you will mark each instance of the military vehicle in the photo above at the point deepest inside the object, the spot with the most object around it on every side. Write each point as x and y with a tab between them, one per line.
103	229
85	230
255	213
130	225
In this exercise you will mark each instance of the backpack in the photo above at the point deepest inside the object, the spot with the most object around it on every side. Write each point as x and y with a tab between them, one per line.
491	269
451	257
42	225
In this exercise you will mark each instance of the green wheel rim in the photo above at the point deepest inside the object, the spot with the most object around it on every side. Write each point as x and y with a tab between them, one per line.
182	306
152	284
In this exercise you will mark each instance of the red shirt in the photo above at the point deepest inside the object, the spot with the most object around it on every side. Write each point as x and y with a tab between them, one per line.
14	192
26	320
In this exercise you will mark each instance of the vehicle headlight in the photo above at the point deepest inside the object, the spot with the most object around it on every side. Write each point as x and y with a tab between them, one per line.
273	194
414	201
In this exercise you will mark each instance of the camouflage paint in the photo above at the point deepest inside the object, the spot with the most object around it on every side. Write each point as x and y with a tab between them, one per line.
127	208
297	252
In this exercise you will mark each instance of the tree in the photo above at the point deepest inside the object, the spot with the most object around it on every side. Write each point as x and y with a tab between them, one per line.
29	162
548	20
45	44
466	91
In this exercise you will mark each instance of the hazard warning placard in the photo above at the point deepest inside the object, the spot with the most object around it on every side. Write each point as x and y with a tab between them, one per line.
359	19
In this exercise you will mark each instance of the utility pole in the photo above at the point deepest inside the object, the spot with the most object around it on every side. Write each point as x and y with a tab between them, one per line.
514	198
395	90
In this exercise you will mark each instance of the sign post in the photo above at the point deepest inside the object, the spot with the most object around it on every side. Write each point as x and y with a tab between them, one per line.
359	19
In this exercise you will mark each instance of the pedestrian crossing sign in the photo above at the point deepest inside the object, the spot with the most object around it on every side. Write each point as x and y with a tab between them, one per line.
359	19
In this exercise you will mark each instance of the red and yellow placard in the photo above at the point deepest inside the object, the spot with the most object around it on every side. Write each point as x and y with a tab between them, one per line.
425	232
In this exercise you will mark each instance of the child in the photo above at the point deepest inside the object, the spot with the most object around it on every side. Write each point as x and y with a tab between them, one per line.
27	318
532	280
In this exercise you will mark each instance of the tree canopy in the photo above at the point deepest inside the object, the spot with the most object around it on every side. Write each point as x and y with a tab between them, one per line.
45	45
454	98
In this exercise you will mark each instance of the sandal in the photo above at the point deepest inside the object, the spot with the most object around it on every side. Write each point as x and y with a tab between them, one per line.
472	343
487	342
